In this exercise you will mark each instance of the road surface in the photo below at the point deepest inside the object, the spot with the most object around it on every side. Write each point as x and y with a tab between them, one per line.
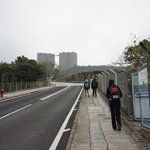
40	120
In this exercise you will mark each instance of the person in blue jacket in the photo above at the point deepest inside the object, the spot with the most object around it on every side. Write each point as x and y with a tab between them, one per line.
86	87
114	94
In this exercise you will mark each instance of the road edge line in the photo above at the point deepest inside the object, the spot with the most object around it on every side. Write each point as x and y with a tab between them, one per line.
62	129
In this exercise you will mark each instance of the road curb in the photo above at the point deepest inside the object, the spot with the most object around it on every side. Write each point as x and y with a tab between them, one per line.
68	147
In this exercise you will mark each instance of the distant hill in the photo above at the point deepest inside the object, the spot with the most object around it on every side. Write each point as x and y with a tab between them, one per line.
78	69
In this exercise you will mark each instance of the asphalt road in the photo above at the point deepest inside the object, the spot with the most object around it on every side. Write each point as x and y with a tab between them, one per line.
40	120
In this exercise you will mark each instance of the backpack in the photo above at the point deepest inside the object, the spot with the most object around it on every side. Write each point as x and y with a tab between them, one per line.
114	92
87	85
94	84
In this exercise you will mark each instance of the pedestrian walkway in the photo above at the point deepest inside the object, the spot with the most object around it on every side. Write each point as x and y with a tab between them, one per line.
92	128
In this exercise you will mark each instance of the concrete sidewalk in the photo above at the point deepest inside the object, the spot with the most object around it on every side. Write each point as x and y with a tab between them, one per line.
93	131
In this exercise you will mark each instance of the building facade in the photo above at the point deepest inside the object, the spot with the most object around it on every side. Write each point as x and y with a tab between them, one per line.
48	60
45	57
67	60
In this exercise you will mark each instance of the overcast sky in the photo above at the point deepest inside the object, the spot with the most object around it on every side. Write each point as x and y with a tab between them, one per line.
97	30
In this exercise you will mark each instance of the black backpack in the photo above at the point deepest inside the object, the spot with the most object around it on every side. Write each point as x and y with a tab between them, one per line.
94	84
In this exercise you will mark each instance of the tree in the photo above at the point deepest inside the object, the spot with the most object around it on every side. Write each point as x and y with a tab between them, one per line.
56	71
6	71
27	70
49	69
145	44
135	56
120	61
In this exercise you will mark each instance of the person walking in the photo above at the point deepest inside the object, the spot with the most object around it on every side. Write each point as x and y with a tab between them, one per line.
86	87
94	87
114	94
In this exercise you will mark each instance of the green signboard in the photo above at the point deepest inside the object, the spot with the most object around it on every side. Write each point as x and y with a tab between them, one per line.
135	81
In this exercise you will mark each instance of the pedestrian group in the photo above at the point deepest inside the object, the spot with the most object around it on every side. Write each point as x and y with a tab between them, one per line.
113	94
93	84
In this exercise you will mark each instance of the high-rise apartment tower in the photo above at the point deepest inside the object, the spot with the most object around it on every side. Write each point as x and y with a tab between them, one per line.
43	57
67	60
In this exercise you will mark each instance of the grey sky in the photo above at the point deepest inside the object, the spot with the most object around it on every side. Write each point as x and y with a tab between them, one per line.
98	30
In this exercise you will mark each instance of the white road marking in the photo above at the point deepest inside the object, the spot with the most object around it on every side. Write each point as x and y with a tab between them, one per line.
44	98
15	111
62	129
67	130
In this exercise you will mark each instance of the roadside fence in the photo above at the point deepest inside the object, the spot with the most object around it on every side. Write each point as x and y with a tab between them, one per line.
16	86
135	101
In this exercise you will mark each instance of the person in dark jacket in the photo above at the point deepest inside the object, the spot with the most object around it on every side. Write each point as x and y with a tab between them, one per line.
94	87
114	94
